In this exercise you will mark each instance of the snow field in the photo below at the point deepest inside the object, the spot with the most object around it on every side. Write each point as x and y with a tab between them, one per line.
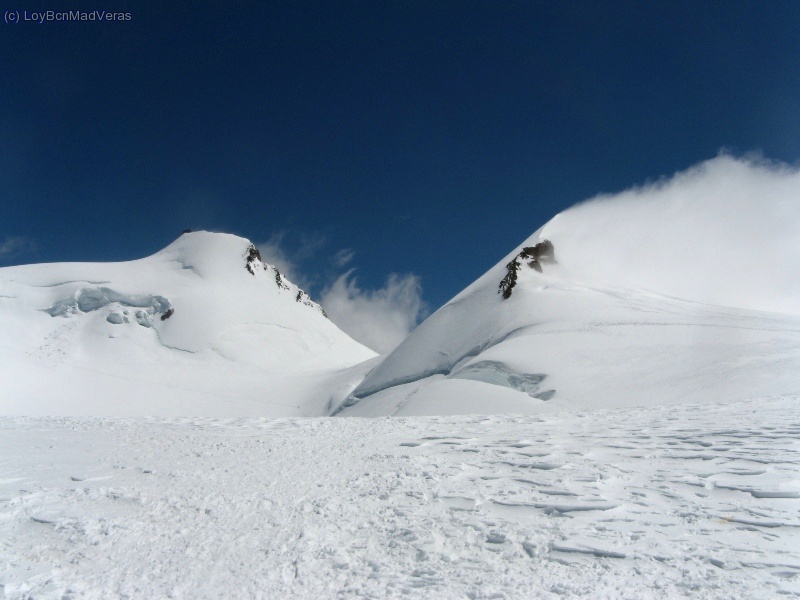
693	500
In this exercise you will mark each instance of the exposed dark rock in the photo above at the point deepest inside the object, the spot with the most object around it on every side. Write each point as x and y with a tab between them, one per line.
251	256
279	280
304	298
510	280
542	253
168	314
186	231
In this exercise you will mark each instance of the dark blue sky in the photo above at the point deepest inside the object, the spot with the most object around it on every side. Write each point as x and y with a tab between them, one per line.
429	137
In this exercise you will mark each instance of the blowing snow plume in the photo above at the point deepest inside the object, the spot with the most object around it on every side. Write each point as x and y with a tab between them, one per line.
652	296
724	232
380	319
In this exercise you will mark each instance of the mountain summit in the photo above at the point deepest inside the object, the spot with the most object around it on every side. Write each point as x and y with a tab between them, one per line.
685	291
203	326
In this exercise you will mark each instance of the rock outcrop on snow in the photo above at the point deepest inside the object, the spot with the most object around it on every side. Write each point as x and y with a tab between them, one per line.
645	306
252	258
186	331
253	263
541	253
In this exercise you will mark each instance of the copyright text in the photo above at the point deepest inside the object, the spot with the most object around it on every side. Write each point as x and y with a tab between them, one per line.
51	16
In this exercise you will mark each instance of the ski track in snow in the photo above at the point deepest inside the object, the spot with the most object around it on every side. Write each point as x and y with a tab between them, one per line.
696	501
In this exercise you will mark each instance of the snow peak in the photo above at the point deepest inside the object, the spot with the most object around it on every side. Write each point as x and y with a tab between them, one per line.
541	253
75	15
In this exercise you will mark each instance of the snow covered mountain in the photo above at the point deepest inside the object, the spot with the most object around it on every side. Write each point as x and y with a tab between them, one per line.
686	291
659	328
201	328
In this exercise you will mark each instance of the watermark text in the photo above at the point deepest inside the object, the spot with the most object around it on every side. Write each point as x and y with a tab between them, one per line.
54	16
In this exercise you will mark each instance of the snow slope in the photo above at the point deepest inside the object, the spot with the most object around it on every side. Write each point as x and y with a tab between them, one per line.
687	290
690	501
653	452
202	327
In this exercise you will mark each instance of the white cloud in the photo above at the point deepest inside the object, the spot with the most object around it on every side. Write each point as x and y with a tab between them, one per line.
726	231
273	253
297	255
380	319
16	245
343	257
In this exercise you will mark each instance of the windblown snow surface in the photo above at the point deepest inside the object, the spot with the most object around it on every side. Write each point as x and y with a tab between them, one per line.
694	501
624	425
